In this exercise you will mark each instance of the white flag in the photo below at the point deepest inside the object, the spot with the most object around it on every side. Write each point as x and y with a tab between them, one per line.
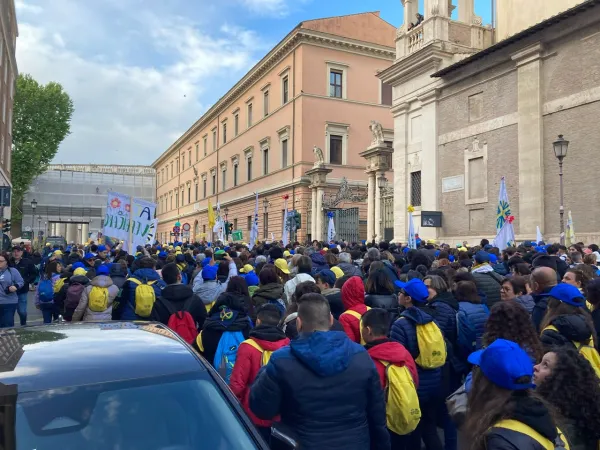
538	236
330	228
506	237
570	237
285	231
412	240
503	208
254	230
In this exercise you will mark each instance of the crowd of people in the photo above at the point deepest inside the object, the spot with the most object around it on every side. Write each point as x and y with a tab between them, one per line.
361	345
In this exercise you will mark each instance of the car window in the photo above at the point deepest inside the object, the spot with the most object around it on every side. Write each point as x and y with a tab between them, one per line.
174	413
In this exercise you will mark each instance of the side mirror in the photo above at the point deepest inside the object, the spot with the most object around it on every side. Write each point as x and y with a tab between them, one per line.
282	438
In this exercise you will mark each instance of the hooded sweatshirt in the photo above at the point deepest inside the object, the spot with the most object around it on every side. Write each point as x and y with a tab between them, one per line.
327	391
353	298
290	286
318	263
268	293
394	353
84	312
179	296
249	361
571	328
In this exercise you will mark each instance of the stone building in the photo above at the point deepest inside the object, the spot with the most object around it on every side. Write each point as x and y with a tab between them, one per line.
465	117
318	87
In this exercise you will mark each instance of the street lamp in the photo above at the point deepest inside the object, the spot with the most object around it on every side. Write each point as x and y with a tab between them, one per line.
560	151
33	206
226	211
39	227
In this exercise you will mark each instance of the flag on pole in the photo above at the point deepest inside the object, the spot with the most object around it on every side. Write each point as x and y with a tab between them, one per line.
219	226
538	236
286	229
254	230
506	237
503	209
412	239
211	215
570	234
330	227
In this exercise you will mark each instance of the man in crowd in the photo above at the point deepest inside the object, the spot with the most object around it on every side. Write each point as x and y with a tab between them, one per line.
28	272
543	279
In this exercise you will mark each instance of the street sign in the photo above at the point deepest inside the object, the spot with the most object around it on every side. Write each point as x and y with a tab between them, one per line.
27	234
27	228
4	195
237	235
186	227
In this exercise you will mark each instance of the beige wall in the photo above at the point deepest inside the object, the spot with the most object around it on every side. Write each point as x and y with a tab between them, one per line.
516	15
8	69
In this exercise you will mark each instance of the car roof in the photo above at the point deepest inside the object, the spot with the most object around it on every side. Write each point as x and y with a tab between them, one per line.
60	355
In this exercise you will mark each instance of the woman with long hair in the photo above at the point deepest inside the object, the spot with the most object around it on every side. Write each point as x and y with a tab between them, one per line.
567	321
380	291
511	321
576	277
471	318
567	381
504	413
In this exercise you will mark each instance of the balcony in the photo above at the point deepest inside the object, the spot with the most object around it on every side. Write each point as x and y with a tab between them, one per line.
415	39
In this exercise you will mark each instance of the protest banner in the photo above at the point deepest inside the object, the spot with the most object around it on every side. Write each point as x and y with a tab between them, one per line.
128	219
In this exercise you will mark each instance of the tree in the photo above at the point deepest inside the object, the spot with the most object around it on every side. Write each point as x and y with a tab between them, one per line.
41	121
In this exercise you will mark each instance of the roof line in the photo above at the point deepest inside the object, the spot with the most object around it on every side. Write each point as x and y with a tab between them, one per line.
343	15
519	36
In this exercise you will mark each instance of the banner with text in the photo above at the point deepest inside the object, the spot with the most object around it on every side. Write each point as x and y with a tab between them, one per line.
124	212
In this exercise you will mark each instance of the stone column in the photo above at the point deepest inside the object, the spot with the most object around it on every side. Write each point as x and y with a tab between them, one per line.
377	219
428	161
371	227
466	11
411	8
85	229
71	234
319	232
531	142
400	113
313	213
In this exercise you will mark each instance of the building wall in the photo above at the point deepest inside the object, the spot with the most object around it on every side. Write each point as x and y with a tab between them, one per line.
516	15
8	75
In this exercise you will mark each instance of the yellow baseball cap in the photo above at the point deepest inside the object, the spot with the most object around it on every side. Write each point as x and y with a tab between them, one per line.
57	253
80	271
339	273
286	254
247	268
281	264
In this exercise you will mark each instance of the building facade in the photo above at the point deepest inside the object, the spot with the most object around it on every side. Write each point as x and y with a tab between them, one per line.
8	75
71	198
316	88
482	115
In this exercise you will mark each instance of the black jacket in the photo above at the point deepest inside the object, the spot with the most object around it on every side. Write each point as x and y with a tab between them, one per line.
571	328
528	411
334	297
540	307
596	319
178	295
267	293
28	272
489	283
388	302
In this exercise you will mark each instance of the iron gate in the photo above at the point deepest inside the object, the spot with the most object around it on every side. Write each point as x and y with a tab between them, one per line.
387	214
346	224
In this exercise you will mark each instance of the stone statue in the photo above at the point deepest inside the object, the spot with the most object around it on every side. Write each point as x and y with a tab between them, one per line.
319	159
377	131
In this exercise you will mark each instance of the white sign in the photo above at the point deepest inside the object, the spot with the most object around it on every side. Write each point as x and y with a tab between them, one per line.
126	215
27	228
456	183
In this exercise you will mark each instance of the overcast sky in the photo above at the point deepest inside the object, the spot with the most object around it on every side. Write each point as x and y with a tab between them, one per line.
140	72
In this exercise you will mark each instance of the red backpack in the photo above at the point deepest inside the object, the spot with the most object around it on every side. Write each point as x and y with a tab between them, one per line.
181	322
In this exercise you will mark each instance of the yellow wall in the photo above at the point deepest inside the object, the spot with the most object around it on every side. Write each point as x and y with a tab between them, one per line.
516	15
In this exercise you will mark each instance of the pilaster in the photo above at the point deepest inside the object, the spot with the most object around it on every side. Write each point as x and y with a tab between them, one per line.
400	113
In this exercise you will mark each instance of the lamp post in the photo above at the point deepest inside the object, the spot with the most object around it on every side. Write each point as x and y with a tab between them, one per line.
266	204
560	151
33	206
39	227
225	212
382	183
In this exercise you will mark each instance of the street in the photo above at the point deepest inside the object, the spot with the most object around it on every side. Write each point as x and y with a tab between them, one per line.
34	315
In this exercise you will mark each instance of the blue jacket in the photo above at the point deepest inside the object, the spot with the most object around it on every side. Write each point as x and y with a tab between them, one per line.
127	305
540	307
318	263
326	388
404	330
471	319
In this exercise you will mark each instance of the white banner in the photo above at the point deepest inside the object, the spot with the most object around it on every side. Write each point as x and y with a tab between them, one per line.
126	215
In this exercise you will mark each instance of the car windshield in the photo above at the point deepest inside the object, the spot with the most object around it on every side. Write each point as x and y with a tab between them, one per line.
167	413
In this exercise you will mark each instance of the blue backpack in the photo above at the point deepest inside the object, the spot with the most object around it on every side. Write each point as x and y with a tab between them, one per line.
46	291
184	278
226	353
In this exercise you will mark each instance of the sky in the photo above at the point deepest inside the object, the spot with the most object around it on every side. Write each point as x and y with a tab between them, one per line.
141	72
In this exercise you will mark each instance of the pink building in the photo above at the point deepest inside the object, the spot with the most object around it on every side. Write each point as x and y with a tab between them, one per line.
317	87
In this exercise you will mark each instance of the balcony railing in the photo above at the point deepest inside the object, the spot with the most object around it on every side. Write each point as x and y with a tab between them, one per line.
415	38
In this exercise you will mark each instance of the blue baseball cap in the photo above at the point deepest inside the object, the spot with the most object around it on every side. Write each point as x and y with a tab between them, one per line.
88	256
327	276
451	258
180	258
493	258
487	247
206	261
163	255
503	362
77	265
102	270
209	273
415	289
568	294
482	257
102	248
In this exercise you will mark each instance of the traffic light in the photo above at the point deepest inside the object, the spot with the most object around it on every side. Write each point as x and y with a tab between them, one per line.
6	226
298	220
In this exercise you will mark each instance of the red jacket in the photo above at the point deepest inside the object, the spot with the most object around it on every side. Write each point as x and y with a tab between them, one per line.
394	353
247	364
353	298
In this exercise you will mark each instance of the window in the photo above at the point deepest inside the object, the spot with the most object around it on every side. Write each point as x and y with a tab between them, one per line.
204	188
235	224
335	83
158	178
335	149
285	89
172	171
386	94
189	194
177	199
162	175
4	108
415	188
249	166
265	224
284	153
182	162
205	144
189	158
224	133
235	175
265	161
249	227
266	103
249	115
167	169
236	124
204	229
197	152
214	183
171	201
196	196
214	140
224	179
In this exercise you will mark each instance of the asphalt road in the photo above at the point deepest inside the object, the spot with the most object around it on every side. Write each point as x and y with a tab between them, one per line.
34	315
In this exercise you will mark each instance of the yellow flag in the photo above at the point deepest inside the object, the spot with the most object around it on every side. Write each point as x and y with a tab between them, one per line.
211	215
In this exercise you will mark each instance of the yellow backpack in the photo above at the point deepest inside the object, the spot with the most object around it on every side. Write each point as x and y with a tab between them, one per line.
432	347
402	403
588	351
266	354
58	285
144	297
358	316
547	444
98	299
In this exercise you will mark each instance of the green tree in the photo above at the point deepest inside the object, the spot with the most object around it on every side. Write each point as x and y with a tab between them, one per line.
41	121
